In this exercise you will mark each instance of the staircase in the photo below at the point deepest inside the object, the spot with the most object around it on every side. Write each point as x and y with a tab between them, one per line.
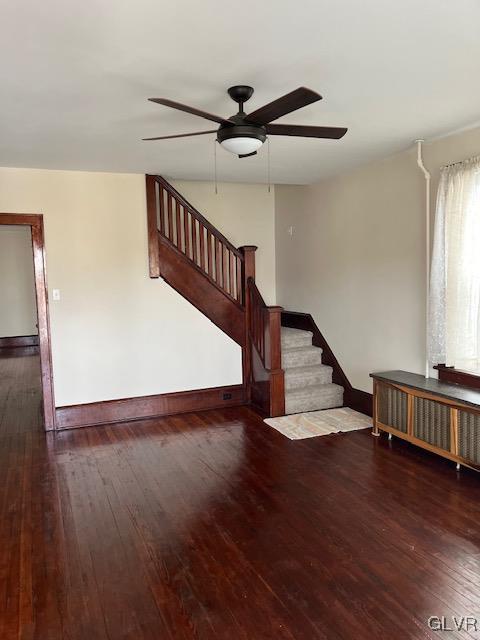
308	382
283	370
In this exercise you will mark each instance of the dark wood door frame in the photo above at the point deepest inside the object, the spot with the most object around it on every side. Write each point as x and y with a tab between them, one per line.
35	222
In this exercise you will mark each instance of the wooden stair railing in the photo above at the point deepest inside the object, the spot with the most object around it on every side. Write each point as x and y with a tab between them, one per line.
198	240
199	262
267	384
195	258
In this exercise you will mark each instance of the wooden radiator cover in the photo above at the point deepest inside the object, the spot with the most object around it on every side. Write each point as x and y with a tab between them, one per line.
442	425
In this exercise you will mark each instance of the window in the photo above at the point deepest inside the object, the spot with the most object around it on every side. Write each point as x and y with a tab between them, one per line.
454	315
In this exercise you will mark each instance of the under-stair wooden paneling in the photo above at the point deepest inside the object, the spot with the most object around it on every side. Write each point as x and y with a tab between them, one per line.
191	283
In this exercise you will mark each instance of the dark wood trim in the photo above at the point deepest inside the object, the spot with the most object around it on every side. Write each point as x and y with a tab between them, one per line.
353	398
267	379
113	411
457	376
18	352
164	242
358	400
195	287
304	321
153	246
10	342
35	221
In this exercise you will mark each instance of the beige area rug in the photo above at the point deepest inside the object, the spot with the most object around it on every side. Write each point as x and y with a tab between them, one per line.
319	423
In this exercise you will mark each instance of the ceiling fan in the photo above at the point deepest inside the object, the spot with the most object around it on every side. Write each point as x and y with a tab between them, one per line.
244	133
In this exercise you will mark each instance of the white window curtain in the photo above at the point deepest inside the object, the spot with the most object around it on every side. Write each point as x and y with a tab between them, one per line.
454	314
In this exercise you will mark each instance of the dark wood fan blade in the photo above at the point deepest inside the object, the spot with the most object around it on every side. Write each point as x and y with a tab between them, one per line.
281	106
192	110
182	135
335	133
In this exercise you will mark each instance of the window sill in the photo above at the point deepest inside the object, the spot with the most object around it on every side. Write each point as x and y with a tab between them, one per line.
457	376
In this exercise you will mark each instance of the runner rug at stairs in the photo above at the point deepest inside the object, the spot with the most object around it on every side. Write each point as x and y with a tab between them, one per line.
319	423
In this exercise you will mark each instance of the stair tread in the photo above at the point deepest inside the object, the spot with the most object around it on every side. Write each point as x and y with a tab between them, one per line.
305	370
289	331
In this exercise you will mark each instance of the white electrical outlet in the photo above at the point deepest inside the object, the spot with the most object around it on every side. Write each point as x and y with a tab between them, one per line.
291	230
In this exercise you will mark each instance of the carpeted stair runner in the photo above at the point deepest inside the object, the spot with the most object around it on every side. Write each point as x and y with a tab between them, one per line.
308	382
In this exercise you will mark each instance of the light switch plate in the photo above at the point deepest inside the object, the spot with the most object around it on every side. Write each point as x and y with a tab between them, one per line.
56	294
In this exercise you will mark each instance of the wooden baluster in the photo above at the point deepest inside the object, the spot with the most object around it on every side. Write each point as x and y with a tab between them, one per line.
161	206
218	262
194	240
186	231
225	267
238	273
178	225
232	273
201	229
209	253
169	212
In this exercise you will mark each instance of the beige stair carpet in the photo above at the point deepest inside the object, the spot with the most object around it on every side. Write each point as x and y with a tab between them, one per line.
308	382
319	423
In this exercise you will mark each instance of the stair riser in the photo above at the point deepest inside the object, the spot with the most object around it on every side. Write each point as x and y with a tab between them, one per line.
323	376
316	403
294	343
302	359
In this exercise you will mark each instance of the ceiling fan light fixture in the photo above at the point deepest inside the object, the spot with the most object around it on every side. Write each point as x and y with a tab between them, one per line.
241	145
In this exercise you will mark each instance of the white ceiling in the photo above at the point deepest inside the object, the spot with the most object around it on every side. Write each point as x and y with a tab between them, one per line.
75	78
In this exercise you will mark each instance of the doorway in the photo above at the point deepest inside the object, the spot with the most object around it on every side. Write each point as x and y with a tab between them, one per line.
28	324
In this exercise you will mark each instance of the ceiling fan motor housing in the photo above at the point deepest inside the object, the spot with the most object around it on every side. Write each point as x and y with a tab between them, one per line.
225	132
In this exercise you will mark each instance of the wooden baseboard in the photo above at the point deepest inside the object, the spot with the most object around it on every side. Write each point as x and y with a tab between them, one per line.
359	401
112	411
18	341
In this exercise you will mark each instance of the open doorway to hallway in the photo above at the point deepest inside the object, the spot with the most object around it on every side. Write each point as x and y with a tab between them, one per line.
24	320
20	373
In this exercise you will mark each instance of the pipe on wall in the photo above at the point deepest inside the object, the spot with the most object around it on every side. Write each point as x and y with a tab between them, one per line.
426	174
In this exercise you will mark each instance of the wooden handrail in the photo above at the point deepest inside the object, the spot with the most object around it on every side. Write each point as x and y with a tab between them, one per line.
179	224
208	225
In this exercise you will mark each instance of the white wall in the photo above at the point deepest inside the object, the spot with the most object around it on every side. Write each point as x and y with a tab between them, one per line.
356	260
116	332
18	310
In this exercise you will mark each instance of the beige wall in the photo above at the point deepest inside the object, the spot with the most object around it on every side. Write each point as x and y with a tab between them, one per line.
245	216
18	311
115	332
356	258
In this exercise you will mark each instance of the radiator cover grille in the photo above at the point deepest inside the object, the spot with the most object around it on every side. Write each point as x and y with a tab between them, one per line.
469	436
392	407
431	422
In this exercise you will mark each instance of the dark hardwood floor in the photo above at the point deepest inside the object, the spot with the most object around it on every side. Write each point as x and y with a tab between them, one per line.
214	526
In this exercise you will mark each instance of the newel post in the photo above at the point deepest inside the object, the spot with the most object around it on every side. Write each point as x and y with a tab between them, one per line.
248	252
248	271
153	243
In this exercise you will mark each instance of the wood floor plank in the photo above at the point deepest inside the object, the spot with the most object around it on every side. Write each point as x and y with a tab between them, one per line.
213	526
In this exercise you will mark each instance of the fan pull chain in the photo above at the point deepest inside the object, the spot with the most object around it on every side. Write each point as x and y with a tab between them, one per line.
215	165
268	164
